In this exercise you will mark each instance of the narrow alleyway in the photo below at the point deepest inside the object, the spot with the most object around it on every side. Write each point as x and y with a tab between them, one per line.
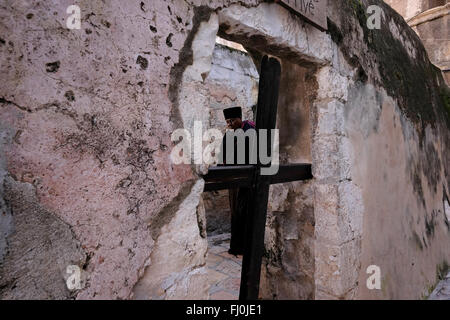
224	270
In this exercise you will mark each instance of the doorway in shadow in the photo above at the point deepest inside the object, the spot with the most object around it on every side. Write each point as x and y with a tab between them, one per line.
232	81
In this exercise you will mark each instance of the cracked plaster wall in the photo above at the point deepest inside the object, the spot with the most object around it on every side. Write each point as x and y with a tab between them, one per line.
87	115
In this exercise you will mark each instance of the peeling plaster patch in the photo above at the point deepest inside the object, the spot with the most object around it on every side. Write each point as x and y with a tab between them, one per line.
202	48
392	167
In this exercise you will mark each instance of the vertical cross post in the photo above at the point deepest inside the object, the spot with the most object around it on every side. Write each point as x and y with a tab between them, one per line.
266	114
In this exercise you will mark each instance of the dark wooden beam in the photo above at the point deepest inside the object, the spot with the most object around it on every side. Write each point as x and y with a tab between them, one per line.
266	116
227	177
292	172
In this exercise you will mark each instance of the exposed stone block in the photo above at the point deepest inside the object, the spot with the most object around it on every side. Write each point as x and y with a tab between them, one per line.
337	268
332	84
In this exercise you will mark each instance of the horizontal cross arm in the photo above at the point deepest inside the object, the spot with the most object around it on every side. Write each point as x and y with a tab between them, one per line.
228	177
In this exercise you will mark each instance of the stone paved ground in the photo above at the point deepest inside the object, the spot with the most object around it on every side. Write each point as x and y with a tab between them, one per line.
442	290
224	270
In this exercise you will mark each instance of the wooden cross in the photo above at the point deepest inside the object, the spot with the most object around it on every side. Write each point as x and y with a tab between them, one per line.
226	177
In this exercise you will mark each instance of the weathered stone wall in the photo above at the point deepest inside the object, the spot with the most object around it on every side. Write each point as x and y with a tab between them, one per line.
431	21
288	266
86	118
407	9
411	8
218	214
433	27
396	131
86	122
403	181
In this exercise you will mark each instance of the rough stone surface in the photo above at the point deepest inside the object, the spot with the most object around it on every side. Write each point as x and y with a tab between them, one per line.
89	125
414	221
40	248
288	267
86	118
5	211
233	81
167	276
367	212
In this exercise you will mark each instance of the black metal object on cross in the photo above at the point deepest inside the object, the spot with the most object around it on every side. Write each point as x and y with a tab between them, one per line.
227	177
